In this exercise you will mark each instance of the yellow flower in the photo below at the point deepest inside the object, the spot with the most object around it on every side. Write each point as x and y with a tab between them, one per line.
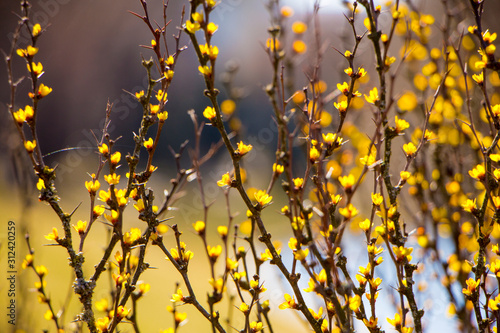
92	186
199	227
256	326
130	237
211	51
205	70
344	88
218	285
494	303
103	149
402	253
243	308
273	44
148	144
299	46
262	198
140	205
98	211
377	199
122	312
41	270
355	303
299	27
37	68
112	179
278	168
341	106
405	175
301	254
347	182
372	323
401	125
178	297
489	37
212	28
115	158
231	264
222	230
113	217
209	113
389	61
40	185
314	154
289	303
349	211
48	315
30	146
214	251
298	183
225	180
162	116
478	78
471	287
27	261
373	96
30	51
192	27
36	30
470	206
266	255
43	91
409	149
478	172
365	225
154	108
80	226
53	236
139	94
242	148
144	288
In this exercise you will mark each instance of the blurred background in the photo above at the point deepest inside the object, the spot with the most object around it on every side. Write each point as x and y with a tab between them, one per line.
91	55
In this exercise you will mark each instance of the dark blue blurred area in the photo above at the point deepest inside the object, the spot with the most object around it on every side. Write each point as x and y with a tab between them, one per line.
91	55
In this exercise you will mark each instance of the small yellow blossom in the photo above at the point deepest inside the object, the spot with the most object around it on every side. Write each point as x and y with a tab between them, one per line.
214	251
53	236
256	326
478	172
29	52
178	297
209	113
225	180
278	168
373	96
148	144
212	28
199	227
289	303
115	158
377	199
349	211
80	226
262	198
205	70
242	149
341	106
30	146
472	286
410	149
40	185
401	125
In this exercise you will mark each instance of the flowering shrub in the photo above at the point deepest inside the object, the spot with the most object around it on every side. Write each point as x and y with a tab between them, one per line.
410	173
